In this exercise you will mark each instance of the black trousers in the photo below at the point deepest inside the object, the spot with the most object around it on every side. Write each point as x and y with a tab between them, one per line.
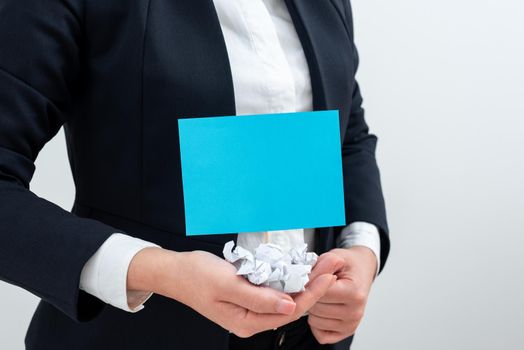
294	336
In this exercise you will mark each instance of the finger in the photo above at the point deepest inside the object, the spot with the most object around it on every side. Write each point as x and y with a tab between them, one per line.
340	293
335	311
253	322
245	323
259	322
326	337
327	324
314	291
344	313
328	263
261	300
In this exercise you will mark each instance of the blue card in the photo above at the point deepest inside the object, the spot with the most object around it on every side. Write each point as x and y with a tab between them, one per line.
261	172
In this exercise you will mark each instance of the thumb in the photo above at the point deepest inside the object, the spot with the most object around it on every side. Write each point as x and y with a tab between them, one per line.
328	263
314	291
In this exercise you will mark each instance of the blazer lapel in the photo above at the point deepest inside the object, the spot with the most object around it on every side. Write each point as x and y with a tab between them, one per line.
186	74
328	50
329	53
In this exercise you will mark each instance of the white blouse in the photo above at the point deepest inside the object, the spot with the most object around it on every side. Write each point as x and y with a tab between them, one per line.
270	75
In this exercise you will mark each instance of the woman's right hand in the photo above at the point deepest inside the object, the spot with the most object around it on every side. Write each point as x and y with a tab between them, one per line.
210	286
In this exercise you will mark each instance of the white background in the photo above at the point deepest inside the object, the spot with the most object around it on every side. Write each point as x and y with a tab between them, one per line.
443	87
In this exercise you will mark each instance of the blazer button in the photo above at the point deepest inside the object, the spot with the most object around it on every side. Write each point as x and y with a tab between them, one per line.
281	339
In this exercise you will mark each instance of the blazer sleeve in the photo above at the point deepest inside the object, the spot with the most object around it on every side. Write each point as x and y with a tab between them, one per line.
42	247
364	200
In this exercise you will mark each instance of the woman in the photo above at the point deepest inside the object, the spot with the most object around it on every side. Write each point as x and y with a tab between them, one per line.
117	75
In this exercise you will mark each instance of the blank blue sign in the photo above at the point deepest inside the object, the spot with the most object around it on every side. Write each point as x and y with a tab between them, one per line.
262	172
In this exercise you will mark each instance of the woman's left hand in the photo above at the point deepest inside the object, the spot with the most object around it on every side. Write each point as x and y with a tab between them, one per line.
338	313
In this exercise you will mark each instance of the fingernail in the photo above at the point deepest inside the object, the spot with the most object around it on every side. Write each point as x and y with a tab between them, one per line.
285	306
333	280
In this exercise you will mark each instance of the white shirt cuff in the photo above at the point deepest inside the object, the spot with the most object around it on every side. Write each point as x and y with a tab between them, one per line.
361	234
105	273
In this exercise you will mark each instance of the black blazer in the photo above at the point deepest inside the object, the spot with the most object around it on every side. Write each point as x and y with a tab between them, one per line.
117	74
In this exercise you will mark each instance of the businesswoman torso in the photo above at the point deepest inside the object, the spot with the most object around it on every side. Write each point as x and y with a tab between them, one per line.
117	75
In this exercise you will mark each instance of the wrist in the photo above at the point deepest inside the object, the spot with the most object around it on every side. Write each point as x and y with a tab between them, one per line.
367	255
148	269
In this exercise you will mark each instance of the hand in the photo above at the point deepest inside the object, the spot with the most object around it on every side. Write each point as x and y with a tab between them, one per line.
210	286
338	313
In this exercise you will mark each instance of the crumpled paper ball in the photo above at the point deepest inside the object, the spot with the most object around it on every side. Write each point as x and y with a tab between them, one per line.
271	266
